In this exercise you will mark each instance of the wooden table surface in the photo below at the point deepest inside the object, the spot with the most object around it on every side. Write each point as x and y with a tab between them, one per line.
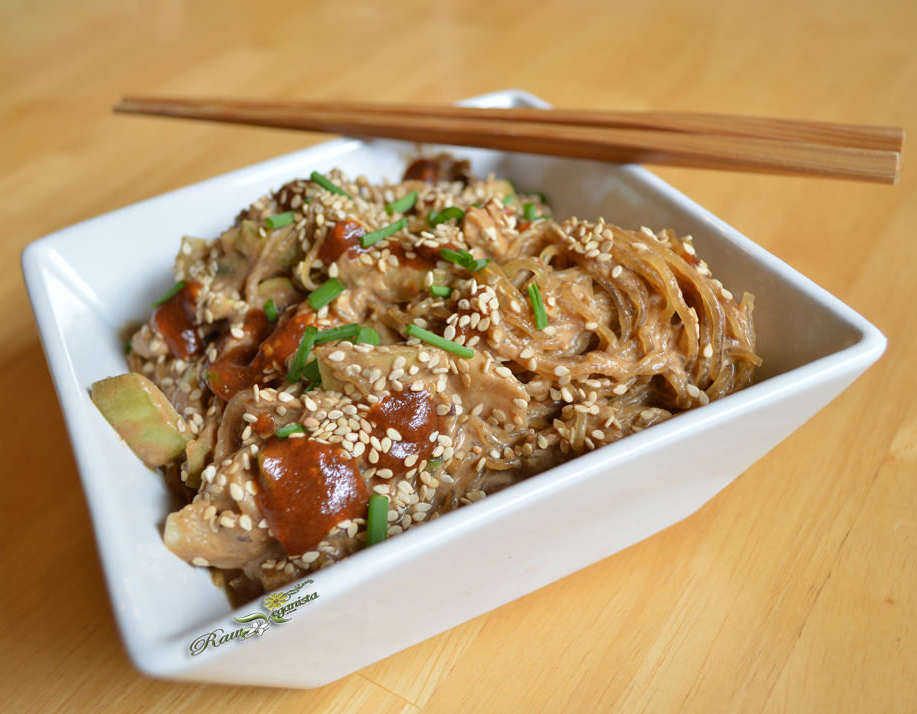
795	589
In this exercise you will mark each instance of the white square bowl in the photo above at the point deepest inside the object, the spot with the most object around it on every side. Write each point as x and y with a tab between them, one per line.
87	281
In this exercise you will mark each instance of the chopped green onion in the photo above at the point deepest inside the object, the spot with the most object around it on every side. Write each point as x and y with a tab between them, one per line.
459	257
377	519
326	184
403	204
270	310
529	211
440	291
508	199
281	219
352	332
433	465
127	347
541	197
541	317
368	336
325	294
302	353
312	373
437	341
173	291
434	218
375	236
294	428
334	334
464	259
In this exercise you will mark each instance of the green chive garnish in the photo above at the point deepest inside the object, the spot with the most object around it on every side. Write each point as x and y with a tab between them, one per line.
434	218
529	212
508	199
312	373
433	465
294	428
437	341
302	353
173	291
326	184
368	336
440	291
127	348
325	294
541	317
281	219
377	519
335	334
464	259
459	257
270	310
375	236
403	204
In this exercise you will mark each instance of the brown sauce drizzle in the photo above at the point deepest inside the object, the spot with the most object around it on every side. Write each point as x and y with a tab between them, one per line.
308	487
343	238
175	321
240	369
413	415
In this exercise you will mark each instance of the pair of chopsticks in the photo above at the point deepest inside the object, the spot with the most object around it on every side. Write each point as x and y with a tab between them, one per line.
710	141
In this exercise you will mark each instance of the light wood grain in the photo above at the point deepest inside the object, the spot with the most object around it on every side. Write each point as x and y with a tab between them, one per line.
724	143
794	590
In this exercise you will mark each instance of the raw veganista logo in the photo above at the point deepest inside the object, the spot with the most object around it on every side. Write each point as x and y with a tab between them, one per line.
278	605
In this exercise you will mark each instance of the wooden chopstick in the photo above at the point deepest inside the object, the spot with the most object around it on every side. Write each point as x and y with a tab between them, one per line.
676	139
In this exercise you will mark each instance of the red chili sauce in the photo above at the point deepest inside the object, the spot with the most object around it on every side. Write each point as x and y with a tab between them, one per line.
343	238
308	487
260	350
175	321
414	417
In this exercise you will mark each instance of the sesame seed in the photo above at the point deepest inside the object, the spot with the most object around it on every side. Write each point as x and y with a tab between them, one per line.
708	350
199	561
337	356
